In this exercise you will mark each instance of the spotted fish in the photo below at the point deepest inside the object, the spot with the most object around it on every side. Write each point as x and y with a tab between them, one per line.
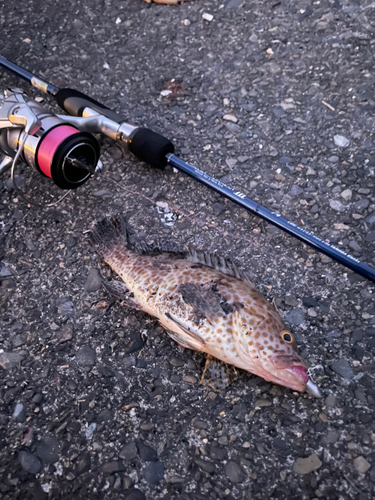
205	303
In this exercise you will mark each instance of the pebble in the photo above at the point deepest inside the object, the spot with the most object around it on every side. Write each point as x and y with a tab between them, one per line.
230	118
205	465
217	452
234	472
65	333
94	281
263	402
154	472
346	194
146	452
343	368
306	465
86	356
19	412
65	307
333	159
90	430
135	494
190	379
128	451
48	450
361	205
341	141
9	360
295	316
29	462
296	190
207	17
4	271
337	205
356	336
361	464
331	437
370	219
370	236
113	466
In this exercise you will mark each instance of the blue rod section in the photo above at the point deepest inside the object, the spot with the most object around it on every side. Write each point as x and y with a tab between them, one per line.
46	87
274	218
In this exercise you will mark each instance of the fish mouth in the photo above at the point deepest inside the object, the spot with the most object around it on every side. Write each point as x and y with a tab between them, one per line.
310	387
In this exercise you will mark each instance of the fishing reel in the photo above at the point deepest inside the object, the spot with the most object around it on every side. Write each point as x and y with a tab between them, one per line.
46	142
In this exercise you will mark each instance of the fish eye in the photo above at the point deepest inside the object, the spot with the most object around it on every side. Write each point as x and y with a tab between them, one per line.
287	337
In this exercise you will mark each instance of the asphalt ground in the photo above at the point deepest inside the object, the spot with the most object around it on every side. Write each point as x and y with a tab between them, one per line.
96	401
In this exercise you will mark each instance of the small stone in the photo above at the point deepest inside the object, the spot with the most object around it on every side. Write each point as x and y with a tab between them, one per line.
19	412
356	336
370	219
65	307
346	194
185	22
331	437
190	379
341	141
230	118
86	356
48	450
217	452
234	472
29	462
94	281
330	401
146	452
176	362
118	20
207	17
154	472
253	38
105	415
65	333
128	451
333	159
114	466
370	236
337	206
361	464
135	494
296	190
4	271
205	465
165	93
343	368
295	316
263	402
90	431
306	465
9	360
361	205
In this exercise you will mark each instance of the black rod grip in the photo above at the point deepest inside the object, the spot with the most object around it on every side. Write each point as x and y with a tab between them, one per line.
74	102
150	147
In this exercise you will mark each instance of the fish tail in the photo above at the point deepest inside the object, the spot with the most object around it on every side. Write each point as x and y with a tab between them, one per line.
108	234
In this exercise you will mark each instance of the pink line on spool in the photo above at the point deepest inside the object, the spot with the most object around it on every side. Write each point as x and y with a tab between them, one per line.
50	142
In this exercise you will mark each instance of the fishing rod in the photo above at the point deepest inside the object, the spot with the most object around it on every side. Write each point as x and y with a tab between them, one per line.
89	115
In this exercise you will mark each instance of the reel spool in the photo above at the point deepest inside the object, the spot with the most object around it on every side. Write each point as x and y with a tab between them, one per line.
49	145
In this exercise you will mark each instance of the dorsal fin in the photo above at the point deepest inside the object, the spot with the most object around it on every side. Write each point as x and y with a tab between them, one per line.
220	263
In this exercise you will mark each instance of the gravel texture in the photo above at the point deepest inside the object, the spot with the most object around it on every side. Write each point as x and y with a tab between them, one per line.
277	100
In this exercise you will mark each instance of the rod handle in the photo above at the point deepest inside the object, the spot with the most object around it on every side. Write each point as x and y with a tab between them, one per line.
150	147
74	102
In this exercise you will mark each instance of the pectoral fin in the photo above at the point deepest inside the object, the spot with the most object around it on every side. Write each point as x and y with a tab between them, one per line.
120	291
217	374
189	338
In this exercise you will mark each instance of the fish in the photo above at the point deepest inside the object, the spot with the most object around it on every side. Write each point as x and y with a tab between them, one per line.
205	303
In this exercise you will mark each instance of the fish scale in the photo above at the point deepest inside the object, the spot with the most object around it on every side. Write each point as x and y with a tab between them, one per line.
205	303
